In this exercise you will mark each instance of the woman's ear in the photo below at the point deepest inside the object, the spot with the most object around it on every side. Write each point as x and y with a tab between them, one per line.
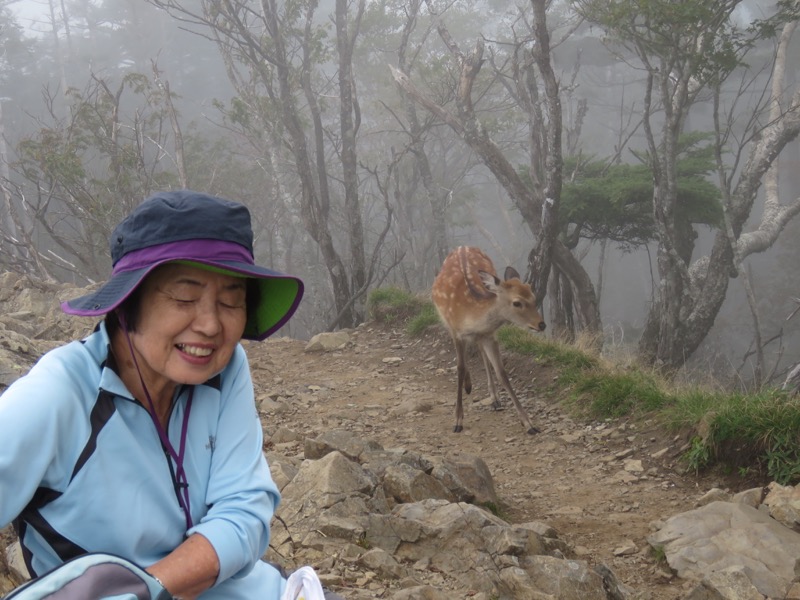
120	315
116	320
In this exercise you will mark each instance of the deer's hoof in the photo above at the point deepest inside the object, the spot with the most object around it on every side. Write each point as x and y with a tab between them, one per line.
458	429
533	431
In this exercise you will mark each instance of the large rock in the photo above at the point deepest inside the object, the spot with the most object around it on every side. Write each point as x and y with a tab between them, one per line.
328	341
726	535
548	577
729	584
467	477
333	477
783	502
338	440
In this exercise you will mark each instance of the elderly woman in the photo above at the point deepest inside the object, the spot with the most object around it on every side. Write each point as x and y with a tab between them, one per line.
143	439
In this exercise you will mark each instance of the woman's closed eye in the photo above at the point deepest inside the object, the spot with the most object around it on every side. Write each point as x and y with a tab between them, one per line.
183	300
186	294
232	305
226	304
233	297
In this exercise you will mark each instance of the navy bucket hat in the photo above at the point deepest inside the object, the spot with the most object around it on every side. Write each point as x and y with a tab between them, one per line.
201	230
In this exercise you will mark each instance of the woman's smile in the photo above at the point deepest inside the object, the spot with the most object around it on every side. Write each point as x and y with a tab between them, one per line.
197	351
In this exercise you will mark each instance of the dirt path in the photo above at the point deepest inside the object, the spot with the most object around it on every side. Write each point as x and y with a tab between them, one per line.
600	485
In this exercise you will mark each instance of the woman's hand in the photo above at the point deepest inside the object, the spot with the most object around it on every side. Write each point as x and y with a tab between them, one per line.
188	570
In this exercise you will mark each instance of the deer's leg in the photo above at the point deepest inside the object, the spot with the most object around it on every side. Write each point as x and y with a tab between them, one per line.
463	380
463	362
492	350
490	380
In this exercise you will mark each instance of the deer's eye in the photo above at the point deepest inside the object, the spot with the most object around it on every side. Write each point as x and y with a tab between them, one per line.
517	304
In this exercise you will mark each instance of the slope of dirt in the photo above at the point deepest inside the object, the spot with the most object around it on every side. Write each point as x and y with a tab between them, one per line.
601	485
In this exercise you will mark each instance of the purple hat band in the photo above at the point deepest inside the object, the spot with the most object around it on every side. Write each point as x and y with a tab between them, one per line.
131	269
279	298
205	251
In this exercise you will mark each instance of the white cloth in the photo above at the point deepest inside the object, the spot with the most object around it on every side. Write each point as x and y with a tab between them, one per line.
303	584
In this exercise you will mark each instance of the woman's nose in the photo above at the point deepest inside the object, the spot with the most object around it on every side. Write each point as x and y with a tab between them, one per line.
207	319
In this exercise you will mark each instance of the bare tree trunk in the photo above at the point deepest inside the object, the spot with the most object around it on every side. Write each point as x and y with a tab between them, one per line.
541	257
562	307
349	122
8	226
600	268
315	202
55	19
180	163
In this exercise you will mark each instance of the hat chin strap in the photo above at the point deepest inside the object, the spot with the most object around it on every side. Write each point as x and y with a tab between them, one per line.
179	475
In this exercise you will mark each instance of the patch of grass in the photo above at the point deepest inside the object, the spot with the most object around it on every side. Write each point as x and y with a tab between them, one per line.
690	406
749	433
495	510
393	305
761	428
659	555
608	394
569	359
698	456
426	317
783	462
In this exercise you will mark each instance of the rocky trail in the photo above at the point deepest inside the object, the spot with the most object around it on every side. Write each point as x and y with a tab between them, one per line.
601	485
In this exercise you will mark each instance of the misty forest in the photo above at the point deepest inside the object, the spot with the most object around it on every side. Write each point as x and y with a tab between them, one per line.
637	161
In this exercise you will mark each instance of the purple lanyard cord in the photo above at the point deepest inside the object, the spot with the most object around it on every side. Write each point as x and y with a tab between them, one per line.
181	481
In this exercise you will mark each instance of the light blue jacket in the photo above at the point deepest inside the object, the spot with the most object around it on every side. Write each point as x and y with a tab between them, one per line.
82	469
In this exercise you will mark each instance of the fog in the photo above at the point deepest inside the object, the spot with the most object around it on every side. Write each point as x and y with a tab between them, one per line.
223	106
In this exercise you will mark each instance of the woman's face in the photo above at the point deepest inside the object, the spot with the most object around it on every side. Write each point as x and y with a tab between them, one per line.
190	321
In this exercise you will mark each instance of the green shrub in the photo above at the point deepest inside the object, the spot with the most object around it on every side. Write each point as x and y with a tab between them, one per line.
609	394
698	456
690	406
392	305
516	339
426	318
570	361
750	432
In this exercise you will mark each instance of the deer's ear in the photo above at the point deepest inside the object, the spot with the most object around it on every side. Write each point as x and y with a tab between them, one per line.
511	273
490	282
